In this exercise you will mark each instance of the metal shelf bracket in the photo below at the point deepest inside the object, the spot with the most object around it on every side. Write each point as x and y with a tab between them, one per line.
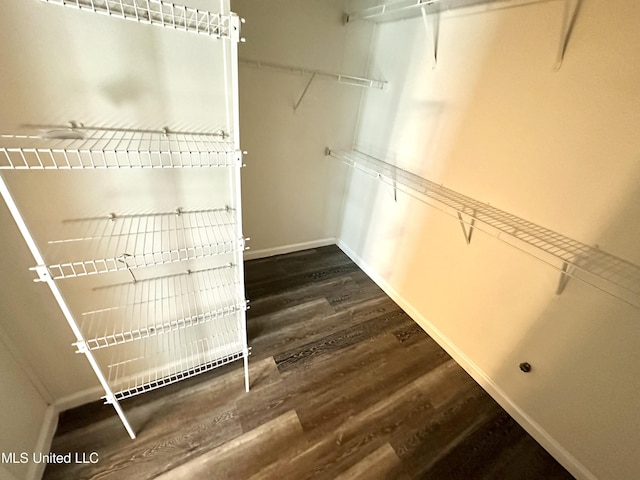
304	92
571	9
43	273
467	233
394	10
432	27
565	275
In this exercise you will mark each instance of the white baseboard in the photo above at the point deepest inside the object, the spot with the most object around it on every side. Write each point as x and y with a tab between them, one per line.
295	247
79	398
43	445
575	467
49	426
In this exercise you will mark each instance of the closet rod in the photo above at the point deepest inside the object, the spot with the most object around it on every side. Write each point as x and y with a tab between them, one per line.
403	9
50	131
341	78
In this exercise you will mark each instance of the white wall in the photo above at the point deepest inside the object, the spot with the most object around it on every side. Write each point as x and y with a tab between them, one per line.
22	413
291	193
494	120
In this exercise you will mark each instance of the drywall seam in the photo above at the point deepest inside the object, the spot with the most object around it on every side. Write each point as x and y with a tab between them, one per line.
294	247
573	465
45	439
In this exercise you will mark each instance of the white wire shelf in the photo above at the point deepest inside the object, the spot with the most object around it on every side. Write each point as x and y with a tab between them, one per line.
99	148
339	77
157	12
127	242
164	304
160	360
394	10
609	273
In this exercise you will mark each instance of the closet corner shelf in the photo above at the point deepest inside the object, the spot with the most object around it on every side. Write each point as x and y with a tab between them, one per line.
613	275
105	148
161	305
126	242
161	13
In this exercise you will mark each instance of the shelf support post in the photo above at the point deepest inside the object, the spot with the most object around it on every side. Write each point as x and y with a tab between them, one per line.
246	369
571	9
45	276
236	186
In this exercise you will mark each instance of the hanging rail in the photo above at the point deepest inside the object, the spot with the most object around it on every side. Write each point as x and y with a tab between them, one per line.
402	9
591	265
341	78
160	13
78	147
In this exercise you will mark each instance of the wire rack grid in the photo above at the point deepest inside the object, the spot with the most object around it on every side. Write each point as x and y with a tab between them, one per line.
163	304
403	9
619	277
339	77
100	148
126	242
160	360
157	12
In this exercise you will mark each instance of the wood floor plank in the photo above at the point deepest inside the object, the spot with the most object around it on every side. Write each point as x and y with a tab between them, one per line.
463	462
299	279
301	387
275	333
332	343
449	427
343	385
266	303
263	445
326	411
380	463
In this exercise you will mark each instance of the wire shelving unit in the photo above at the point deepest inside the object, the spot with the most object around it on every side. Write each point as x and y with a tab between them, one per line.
611	274
159	13
162	327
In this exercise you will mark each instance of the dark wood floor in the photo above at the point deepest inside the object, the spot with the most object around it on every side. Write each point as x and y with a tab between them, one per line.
344	386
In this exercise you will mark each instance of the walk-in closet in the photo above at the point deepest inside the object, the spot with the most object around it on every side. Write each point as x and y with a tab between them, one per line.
319	239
